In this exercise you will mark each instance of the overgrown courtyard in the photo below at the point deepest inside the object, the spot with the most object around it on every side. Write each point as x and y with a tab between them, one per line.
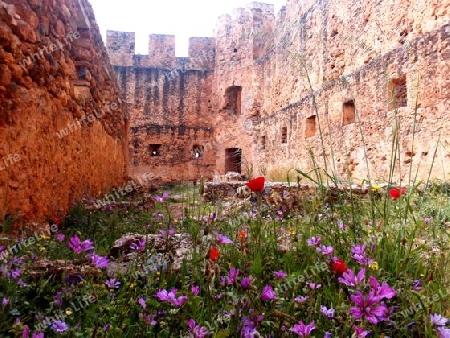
328	264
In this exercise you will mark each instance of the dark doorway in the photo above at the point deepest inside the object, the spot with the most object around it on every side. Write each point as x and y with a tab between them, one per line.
233	158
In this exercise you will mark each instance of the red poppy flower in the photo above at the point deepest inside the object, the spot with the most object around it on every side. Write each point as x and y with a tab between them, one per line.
397	192
56	220
242	234
338	266
256	184
213	254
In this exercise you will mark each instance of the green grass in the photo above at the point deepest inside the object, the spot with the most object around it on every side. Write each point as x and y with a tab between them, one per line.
405	245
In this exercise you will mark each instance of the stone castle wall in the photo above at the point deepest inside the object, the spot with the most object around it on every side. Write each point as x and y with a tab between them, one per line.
169	101
335	79
63	126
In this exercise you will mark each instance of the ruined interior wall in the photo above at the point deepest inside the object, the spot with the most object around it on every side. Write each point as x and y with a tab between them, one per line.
170	108
54	71
297	76
241	38
339	52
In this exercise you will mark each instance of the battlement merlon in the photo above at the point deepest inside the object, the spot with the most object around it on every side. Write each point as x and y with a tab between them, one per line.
161	50
120	47
202	53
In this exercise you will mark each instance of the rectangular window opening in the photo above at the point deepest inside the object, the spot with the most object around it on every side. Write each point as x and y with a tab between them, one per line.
284	135
233	100
155	149
310	126
263	142
397	93
348	112
198	150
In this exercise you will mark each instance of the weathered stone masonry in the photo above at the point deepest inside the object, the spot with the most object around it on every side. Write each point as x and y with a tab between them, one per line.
61	115
328	76
169	101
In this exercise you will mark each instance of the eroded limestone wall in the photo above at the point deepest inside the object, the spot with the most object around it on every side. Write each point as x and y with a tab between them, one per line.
63	127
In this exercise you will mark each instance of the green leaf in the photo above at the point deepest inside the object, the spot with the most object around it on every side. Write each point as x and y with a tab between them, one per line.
223	334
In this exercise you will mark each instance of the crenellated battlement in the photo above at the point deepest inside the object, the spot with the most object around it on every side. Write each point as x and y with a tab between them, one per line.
161	52
120	46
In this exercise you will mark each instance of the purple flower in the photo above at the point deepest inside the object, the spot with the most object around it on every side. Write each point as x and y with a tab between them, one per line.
37	335
170	297
280	274
162	198
368	307
360	333
25	331
151	320
443	332
325	250
138	246
112	283
245	283
107	327
359	255
59	326
60	237
314	286
417	285
195	289
327	335
74	279
163	294
163	233
363	259
142	302
268	293
302	330
349	278
5	301
99	261
232	276
301	299
197	330
314	241
21	283
58	299
381	291
438	320
76	245
358	249
249	325
16	273
341	225
327	312
222	239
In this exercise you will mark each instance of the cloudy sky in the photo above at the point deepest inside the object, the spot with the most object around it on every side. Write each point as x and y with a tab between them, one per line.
183	18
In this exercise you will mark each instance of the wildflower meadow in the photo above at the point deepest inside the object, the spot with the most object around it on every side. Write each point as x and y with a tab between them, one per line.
355	266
